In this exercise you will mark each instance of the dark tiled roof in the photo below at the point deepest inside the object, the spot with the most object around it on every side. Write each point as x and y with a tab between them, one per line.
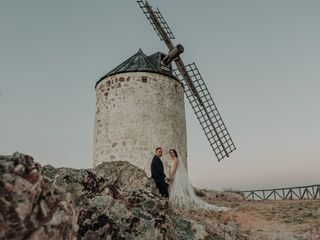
139	62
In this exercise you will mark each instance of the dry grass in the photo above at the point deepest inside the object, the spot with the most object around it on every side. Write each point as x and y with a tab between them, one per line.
258	220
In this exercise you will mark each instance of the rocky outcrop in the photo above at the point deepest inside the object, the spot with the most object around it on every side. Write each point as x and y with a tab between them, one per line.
116	200
31	206
226	196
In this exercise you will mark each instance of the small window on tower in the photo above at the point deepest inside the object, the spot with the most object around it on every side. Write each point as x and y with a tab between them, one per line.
144	79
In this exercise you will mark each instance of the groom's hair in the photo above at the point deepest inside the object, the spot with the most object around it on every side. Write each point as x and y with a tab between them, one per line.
158	148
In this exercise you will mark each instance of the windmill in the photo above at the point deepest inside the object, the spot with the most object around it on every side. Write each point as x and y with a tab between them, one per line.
195	88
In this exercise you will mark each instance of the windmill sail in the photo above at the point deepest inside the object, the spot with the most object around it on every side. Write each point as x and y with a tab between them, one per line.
151	16
206	112
195	89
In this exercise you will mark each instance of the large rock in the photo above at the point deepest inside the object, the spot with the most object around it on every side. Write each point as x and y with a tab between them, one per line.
31	206
116	200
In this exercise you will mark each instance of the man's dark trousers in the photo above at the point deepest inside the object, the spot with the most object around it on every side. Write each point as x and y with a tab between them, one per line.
158	176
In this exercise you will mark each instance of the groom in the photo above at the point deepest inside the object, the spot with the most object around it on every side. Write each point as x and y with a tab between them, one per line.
157	173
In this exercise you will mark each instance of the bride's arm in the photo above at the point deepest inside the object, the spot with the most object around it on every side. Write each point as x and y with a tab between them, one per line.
174	169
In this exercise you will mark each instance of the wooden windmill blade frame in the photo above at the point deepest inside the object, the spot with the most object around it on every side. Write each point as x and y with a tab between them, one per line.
195	89
206	112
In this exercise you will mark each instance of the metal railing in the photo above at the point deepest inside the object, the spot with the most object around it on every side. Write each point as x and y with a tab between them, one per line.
291	193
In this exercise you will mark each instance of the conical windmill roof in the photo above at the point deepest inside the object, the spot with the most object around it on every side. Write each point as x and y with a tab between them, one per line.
139	62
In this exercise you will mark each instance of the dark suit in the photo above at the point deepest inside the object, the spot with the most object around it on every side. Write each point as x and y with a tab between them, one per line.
158	176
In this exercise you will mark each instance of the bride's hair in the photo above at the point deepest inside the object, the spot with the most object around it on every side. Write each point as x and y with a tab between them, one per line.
175	152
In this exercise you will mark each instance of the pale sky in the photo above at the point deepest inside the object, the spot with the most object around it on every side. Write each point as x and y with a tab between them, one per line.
260	60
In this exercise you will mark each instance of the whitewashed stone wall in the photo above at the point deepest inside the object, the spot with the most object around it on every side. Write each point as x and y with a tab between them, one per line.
135	113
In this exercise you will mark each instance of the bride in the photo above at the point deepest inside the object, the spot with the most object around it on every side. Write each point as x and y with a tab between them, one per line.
182	193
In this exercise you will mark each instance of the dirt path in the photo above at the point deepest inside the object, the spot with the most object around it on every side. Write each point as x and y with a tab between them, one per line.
279	219
261	220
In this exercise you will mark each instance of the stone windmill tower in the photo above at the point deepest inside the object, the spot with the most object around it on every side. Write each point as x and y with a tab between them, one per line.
140	106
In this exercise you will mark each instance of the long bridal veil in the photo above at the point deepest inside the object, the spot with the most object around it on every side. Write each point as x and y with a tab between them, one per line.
182	194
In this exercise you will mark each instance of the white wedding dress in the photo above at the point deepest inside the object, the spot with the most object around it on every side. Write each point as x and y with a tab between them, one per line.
182	194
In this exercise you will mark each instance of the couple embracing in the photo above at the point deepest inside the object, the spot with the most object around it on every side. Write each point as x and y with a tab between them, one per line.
177	186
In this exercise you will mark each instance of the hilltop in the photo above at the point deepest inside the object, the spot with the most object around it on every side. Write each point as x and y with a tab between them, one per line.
117	200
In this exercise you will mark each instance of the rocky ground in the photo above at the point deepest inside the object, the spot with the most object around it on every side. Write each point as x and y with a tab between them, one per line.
117	200
259	220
